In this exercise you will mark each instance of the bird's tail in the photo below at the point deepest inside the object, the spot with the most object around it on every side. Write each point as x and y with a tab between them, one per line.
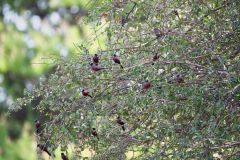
123	128
48	153
38	130
121	66
90	96
178	16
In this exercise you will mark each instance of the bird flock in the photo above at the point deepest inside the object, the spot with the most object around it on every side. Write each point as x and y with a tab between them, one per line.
95	67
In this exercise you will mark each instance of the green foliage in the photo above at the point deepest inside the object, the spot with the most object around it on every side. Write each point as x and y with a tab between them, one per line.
191	110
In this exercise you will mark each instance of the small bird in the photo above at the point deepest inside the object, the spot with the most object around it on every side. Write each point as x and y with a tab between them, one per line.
44	148
156	57
95	59
94	133
159	33
179	78
37	126
121	123
64	157
124	21
146	85
85	93
176	13
96	68
117	60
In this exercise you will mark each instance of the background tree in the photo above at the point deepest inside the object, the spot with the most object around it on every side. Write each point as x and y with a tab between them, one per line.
189	109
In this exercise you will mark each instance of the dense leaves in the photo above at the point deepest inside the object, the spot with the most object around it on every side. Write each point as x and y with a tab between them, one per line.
189	111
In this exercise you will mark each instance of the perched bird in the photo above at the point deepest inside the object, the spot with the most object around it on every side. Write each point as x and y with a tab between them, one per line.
176	13
156	57
179	78
37	126
94	133
124	21
96	68
146	85
85	93
64	157
117	60
121	123
44	148
95	59
159	33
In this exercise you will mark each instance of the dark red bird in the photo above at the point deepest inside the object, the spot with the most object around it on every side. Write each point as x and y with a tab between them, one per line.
44	148
176	13
95	59
117	60
158	32
64	157
156	57
37	126
94	133
179	78
85	93
124	21
121	123
146	85
96	68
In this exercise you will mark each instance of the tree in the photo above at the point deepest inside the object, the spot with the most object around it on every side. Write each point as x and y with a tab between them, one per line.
189	53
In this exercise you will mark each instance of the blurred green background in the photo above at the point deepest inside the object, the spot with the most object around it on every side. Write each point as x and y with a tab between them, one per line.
32	34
